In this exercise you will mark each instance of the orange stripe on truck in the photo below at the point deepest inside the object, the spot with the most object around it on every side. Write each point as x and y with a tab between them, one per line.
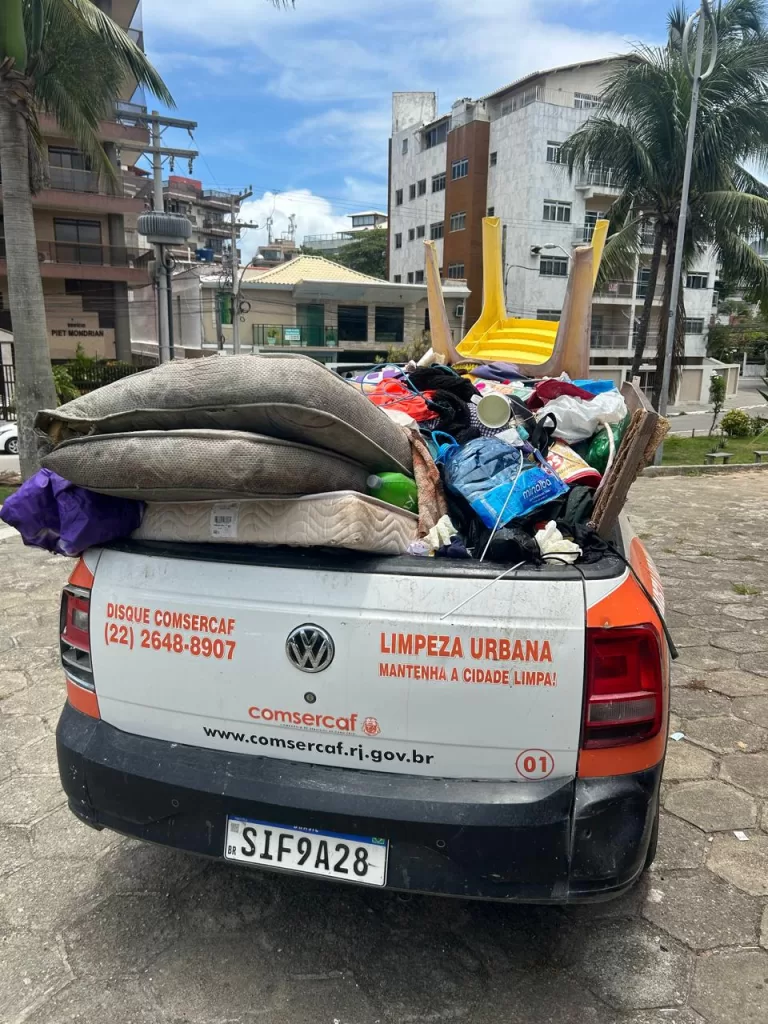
628	606
83	700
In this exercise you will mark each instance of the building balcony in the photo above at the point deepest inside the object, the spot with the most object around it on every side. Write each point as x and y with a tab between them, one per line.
218	227
598	182
83	192
124	128
89	262
623	292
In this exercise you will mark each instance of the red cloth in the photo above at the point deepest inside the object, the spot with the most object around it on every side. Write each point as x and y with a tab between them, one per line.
391	394
547	390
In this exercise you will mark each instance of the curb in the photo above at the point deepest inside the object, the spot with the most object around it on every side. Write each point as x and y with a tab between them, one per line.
747	467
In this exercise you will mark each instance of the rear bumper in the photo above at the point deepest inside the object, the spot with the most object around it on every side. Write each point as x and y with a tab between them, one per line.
550	842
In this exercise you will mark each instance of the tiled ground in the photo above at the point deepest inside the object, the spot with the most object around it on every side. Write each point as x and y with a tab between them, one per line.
95	928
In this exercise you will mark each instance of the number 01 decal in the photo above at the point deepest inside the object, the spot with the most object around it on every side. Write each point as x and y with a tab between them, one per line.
535	764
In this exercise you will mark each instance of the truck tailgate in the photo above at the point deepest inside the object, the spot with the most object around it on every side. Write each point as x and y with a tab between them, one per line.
206	654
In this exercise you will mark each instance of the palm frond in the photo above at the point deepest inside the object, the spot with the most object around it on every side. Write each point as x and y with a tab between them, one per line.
125	51
620	253
743	263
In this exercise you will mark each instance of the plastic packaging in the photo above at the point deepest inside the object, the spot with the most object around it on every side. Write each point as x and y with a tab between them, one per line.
570	467
554	547
577	420
599	449
499	485
396	489
595	387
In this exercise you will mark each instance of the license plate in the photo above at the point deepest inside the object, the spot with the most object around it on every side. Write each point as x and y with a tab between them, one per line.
360	859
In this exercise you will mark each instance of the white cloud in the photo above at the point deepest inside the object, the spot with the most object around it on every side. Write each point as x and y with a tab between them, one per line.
314	216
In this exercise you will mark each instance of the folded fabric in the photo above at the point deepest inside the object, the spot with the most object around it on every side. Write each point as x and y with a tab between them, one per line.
432	501
443	378
498	371
548	390
454	415
52	513
391	394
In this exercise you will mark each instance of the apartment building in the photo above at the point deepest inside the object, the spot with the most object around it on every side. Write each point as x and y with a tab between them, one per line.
208	211
499	155
81	219
333	243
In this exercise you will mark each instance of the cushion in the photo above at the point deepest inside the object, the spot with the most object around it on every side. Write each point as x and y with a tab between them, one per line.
192	465
339	520
290	397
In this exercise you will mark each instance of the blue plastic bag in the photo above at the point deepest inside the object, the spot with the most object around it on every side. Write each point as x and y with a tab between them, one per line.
51	513
496	480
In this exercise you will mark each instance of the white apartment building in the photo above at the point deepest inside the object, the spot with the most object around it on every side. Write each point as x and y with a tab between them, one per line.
499	156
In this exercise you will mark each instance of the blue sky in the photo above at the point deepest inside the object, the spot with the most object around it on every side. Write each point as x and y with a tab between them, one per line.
298	102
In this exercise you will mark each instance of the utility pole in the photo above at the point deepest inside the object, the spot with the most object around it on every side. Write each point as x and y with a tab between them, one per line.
237	279
156	123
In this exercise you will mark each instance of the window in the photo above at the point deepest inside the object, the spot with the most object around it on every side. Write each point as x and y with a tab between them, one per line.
410	277
78	241
397	278
459	169
694	325
389	322
548	314
353	323
557	211
420	231
585	100
491	211
405	146
399	197
643	278
70	170
458	221
423	187
494	158
456	270
436	230
438	182
591	218
362	220
435	136
399	240
553	266
419	277
553	152
411	234
697	281
411	191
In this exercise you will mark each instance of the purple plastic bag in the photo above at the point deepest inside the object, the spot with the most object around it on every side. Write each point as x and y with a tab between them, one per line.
49	512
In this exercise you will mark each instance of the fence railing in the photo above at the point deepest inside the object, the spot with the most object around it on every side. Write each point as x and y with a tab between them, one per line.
87	254
88	378
315	336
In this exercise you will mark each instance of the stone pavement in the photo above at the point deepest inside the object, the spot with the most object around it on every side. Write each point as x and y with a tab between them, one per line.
95	928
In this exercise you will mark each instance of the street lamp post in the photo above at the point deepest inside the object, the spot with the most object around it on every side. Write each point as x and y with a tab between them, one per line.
696	76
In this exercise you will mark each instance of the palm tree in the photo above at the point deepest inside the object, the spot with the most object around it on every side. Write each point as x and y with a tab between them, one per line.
639	138
68	58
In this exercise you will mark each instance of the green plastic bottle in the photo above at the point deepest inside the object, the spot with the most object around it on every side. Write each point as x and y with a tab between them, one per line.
396	489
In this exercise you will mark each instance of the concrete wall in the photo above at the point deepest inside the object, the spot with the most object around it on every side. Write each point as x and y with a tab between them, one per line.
69	326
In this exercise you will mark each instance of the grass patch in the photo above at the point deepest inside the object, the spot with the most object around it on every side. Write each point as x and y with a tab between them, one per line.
691	451
745	590
6	492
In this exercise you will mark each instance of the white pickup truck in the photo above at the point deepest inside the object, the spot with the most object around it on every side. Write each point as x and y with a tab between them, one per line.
419	724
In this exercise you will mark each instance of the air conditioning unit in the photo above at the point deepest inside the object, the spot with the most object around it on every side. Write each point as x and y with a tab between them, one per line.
458	311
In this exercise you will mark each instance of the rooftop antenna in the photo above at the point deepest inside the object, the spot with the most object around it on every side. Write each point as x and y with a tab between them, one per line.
269	230
292	226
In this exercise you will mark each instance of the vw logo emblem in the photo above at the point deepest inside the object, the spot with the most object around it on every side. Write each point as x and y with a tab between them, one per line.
310	648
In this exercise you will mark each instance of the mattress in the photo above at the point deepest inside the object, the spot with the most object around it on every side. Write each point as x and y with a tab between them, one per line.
199	465
290	397
341	519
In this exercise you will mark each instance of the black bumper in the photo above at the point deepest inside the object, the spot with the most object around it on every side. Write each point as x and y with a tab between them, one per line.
531	842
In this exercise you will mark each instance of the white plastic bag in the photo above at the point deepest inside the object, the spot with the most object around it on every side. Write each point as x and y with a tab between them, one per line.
578	419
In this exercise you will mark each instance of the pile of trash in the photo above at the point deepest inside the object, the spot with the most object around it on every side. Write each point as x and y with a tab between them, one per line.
465	461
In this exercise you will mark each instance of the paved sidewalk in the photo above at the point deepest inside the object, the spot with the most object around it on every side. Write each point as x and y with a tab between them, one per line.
95	928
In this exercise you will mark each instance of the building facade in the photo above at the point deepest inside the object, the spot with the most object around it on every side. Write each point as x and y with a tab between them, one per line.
208	211
85	225
333	243
309	305
500	156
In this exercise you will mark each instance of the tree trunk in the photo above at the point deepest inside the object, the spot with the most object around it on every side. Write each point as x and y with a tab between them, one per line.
641	334
679	339
34	381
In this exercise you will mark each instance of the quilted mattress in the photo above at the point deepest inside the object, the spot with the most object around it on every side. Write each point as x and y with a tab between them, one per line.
340	520
195	465
289	397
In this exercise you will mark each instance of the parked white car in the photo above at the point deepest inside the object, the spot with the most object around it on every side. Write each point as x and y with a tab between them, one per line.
9	439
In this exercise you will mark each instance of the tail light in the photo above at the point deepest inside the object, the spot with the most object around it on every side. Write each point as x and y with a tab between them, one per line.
75	646
624	686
